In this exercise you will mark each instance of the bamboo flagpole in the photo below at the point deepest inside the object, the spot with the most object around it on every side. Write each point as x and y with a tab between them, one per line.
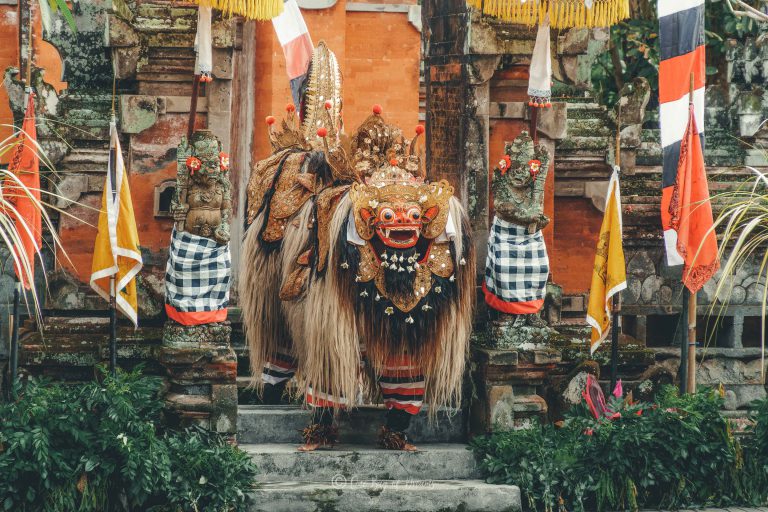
690	377
15	313
112	292
616	299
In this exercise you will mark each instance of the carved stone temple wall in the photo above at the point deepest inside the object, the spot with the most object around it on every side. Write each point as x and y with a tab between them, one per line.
149	45
476	81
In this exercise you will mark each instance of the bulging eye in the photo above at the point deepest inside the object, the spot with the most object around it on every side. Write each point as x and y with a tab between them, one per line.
414	214
387	215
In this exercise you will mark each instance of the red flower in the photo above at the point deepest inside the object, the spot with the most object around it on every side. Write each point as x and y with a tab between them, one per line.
504	164
588	431
534	166
193	164
224	161
615	416
639	412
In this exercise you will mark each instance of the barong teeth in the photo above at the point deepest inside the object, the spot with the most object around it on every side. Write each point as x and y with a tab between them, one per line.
386	232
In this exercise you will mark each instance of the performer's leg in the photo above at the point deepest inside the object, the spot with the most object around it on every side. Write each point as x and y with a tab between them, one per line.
321	433
277	371
402	386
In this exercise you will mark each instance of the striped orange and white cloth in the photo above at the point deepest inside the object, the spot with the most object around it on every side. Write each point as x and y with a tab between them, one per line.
681	39
686	211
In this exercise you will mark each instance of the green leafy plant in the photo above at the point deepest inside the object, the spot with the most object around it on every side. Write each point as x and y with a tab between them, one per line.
679	452
101	447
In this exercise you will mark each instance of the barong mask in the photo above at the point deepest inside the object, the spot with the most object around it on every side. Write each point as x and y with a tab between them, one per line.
397	218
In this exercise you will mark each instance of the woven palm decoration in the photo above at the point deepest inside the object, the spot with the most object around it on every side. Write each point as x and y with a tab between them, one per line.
251	9
562	13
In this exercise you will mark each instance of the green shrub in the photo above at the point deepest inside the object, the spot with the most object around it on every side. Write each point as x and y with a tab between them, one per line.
677	453
100	447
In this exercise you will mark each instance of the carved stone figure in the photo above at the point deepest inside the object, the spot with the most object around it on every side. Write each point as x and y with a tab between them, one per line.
517	267
202	204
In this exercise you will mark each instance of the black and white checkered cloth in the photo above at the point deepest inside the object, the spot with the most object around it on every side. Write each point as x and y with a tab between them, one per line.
198	273
517	265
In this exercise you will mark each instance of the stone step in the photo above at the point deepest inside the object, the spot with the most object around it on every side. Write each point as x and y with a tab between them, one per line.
385	496
440	461
281	424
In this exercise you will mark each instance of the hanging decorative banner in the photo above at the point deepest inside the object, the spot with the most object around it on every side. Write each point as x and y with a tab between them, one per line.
204	45
540	74
251	9
562	13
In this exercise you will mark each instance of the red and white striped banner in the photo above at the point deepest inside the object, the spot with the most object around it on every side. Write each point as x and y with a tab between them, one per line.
293	34
681	38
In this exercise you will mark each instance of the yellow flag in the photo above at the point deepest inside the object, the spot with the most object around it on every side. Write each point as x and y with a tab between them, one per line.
609	276
116	251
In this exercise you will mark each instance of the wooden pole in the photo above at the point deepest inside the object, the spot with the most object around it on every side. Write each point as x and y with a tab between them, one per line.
112	327
683	335
193	107
14	362
691	319
534	125
691	334
616	299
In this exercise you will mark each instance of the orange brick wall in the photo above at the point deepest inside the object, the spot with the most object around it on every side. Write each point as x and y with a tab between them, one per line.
378	53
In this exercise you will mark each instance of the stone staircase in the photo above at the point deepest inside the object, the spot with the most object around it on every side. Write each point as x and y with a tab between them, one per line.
357	477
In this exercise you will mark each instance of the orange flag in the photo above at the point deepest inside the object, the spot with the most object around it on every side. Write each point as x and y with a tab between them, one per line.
686	209
25	164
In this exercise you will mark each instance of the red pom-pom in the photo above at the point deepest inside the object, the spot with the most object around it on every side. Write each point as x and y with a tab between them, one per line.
549	104
419	129
328	105
377	109
290	107
530	104
393	161
322	132
270	120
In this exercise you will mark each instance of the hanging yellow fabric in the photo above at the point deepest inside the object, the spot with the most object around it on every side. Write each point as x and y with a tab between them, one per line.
251	9
562	13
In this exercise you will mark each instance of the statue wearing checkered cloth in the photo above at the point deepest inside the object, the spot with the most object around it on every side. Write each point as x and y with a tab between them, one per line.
197	277
517	266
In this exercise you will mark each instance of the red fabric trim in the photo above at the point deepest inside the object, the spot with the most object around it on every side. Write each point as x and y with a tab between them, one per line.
195	317
513	308
410	409
322	402
298	54
401	391
674	73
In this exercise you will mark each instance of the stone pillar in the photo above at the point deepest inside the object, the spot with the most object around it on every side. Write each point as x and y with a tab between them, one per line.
457	110
202	372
